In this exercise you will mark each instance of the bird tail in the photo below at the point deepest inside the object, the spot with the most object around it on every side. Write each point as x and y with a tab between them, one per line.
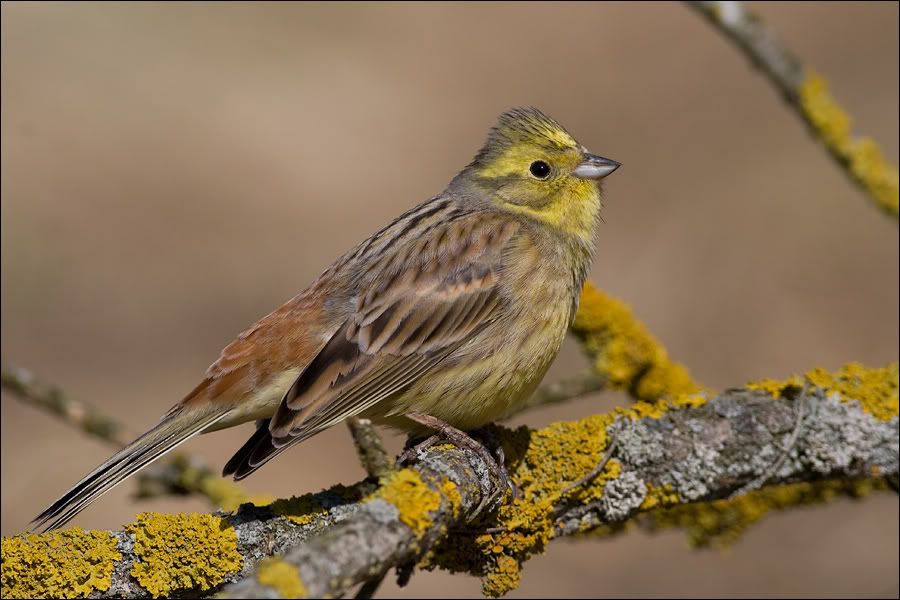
175	428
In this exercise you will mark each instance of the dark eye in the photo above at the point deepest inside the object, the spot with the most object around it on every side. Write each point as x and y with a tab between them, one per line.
540	169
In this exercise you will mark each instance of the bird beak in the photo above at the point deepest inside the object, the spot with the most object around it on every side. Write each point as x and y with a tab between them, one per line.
595	167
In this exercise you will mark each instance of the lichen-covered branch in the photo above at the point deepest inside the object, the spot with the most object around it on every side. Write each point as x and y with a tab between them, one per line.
670	456
807	93
624	353
179	475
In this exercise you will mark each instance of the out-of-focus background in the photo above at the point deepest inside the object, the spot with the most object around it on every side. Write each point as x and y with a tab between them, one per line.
171	172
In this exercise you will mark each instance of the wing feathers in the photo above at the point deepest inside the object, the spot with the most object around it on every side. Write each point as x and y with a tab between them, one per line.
418	303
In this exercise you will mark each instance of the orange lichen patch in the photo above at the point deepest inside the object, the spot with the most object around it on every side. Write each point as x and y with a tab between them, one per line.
59	564
505	576
282	577
543	463
182	552
775	387
625	352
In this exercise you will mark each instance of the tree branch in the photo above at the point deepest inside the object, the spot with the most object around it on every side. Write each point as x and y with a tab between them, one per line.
807	93
624	353
668	455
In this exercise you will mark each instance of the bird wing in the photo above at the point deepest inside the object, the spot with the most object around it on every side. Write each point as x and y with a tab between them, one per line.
417	303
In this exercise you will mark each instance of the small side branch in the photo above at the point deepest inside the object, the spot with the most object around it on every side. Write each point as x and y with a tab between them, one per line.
369	447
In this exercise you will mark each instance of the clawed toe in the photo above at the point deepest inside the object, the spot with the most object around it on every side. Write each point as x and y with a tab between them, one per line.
494	462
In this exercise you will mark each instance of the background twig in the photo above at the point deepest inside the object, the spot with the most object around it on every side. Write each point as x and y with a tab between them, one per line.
807	93
179	474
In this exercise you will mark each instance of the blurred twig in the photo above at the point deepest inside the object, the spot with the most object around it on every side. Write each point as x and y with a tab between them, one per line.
807	93
26	387
181	474
586	383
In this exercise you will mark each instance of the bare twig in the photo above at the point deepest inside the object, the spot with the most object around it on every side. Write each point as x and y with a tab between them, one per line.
807	94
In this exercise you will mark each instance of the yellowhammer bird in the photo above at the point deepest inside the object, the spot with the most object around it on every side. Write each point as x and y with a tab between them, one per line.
446	319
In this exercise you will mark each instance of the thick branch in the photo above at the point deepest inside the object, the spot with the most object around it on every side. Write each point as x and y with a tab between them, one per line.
691	450
807	93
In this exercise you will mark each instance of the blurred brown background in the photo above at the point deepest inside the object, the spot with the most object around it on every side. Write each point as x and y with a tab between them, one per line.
172	172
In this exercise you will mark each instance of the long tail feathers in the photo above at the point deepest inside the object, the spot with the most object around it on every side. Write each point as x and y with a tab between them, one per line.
173	430
257	451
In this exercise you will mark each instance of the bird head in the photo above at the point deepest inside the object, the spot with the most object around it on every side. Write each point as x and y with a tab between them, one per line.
531	165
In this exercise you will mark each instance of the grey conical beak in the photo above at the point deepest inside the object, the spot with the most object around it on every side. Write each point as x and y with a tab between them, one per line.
595	167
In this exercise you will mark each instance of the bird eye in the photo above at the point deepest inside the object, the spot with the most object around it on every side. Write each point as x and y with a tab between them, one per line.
539	169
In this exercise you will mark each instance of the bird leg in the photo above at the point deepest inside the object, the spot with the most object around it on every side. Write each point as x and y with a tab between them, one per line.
463	440
410	452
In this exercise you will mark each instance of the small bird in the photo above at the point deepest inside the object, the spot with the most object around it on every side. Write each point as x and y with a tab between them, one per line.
444	320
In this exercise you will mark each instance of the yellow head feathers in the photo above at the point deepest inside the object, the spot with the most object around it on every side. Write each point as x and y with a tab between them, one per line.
532	166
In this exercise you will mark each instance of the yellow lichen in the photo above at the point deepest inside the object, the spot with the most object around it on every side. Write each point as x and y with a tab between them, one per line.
876	389
282	577
303	509
298	509
505	576
59	564
414	500
660	497
624	352
775	387
451	493
542	463
867	163
176	552
721	522
222	493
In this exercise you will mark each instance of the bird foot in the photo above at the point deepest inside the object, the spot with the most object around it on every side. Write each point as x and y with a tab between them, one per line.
494	462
